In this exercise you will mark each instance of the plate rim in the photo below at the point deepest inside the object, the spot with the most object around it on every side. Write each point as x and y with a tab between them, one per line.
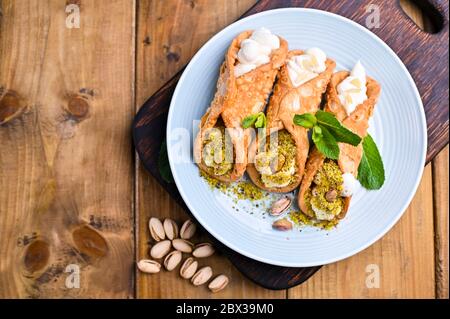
424	141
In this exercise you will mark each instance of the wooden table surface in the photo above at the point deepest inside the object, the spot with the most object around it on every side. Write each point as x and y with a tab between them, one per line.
72	192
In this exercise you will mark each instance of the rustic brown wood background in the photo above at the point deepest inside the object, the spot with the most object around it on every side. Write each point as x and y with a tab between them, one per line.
72	192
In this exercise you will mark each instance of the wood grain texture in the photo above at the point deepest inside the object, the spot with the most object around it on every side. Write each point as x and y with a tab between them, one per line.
425	55
400	270
61	159
149	128
389	286
440	192
169	33
66	170
404	257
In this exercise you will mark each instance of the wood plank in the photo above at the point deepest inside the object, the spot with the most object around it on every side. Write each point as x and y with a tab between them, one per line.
440	192
169	33
404	257
60	161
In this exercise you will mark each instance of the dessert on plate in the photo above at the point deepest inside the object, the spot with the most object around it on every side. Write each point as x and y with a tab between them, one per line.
277	159
245	81
328	185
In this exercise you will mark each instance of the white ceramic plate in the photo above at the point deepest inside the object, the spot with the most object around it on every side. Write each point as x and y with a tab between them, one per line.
398	126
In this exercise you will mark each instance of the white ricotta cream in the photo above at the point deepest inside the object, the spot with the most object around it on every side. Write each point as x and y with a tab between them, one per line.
352	90
302	68
255	51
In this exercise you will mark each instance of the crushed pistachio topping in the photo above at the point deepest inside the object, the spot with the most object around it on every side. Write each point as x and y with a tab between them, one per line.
323	198
277	165
213	183
241	190
216	154
301	219
246	190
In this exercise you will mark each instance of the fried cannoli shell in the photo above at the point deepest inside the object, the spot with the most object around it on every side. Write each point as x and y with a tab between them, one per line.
286	101
357	122
235	99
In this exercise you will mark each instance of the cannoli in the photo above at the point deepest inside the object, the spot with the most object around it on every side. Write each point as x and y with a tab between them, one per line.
328	185
245	81
277	161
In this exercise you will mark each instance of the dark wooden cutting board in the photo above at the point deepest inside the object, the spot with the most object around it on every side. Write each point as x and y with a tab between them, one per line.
424	54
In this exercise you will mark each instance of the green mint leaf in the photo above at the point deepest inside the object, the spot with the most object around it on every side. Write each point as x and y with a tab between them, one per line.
325	142
307	120
249	120
340	133
371	169
163	164
260	121
317	131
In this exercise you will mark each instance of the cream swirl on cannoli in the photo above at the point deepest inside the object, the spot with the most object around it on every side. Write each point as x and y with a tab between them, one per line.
352	90
255	51
304	67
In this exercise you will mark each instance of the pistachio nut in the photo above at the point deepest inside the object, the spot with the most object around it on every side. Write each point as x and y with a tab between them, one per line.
203	250
159	250
280	205
172	260
331	195
156	229
170	228
282	224
189	267
149	266
218	283
201	276
188	229
182	245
